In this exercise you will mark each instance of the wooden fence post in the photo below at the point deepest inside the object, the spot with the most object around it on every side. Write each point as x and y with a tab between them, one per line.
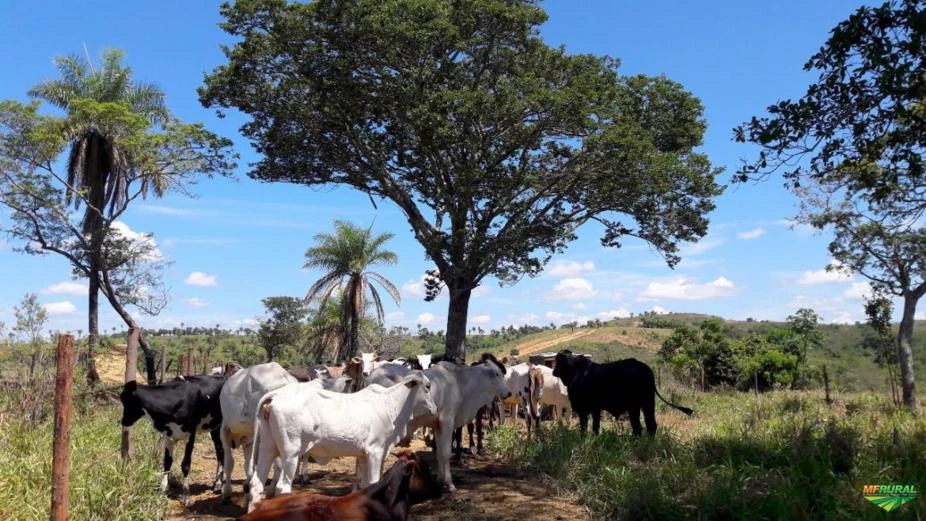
206	362
61	446
163	361
826	385
180	367
131	368
189	361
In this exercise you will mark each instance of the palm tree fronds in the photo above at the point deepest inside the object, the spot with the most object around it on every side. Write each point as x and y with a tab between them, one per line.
388	286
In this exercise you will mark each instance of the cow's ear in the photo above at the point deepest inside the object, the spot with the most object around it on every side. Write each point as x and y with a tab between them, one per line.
411	384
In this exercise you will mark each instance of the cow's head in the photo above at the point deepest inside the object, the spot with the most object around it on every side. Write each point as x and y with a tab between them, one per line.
494	373
341	384
422	483
535	389
367	360
354	369
132	409
424	361
230	369
420	386
568	365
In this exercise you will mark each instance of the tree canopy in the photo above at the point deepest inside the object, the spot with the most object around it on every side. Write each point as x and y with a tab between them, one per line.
852	149
116	142
494	145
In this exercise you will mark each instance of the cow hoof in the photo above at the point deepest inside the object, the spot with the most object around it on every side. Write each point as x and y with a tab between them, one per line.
186	501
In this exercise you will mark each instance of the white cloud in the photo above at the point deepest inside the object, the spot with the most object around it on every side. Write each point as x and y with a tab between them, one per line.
60	308
198	278
580	306
571	268
526	318
67	288
426	318
154	254
197	302
482	319
684	289
841	317
572	289
692	249
920	316
614	313
480	291
858	291
395	315
158	209
659	310
749	235
833	276
554	315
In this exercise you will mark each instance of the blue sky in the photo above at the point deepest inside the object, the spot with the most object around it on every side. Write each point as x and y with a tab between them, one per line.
241	240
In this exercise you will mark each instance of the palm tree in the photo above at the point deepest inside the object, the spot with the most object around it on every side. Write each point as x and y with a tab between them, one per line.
346	255
99	169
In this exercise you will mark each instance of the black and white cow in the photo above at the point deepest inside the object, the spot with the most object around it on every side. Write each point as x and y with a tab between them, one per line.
178	409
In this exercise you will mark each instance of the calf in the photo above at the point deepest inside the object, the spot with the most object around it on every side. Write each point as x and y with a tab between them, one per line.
525	381
406	483
299	419
459	392
178	409
624	386
554	393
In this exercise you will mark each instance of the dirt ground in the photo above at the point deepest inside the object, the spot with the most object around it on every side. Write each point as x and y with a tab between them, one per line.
486	490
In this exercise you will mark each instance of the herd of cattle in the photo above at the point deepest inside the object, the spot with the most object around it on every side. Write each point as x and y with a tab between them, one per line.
364	409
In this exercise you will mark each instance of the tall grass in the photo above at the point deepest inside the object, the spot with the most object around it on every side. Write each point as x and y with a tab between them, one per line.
793	457
102	487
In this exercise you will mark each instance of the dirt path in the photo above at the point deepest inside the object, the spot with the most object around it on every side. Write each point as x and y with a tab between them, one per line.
533	347
486	490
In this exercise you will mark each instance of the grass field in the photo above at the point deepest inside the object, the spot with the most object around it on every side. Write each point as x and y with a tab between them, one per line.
102	487
792	457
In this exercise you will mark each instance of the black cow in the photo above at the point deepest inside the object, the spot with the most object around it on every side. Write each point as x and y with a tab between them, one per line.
624	386
178	409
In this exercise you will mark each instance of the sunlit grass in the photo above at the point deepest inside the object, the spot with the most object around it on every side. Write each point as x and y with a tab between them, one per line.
789	457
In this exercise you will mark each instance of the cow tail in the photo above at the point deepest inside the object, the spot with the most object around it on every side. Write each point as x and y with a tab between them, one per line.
685	410
262	413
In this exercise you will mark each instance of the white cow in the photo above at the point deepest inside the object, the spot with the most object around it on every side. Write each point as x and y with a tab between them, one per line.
298	419
459	392
554	393
526	383
425	361
238	400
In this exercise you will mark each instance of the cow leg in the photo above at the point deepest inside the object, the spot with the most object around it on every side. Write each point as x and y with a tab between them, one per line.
456	444
479	435
229	465
583	422
649	416
266	455
596	421
290	463
185	467
219	459
444	435
168	445
374	467
470	427
633	414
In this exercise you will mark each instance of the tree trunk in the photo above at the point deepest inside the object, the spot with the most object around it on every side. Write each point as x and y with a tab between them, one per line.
93	322
151	366
456	321
905	353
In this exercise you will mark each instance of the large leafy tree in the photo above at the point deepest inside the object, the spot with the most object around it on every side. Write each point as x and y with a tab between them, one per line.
97	165
494	145
852	148
118	144
346	256
31	318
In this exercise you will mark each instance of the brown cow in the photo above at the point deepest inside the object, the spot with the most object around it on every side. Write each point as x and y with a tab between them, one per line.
408	482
